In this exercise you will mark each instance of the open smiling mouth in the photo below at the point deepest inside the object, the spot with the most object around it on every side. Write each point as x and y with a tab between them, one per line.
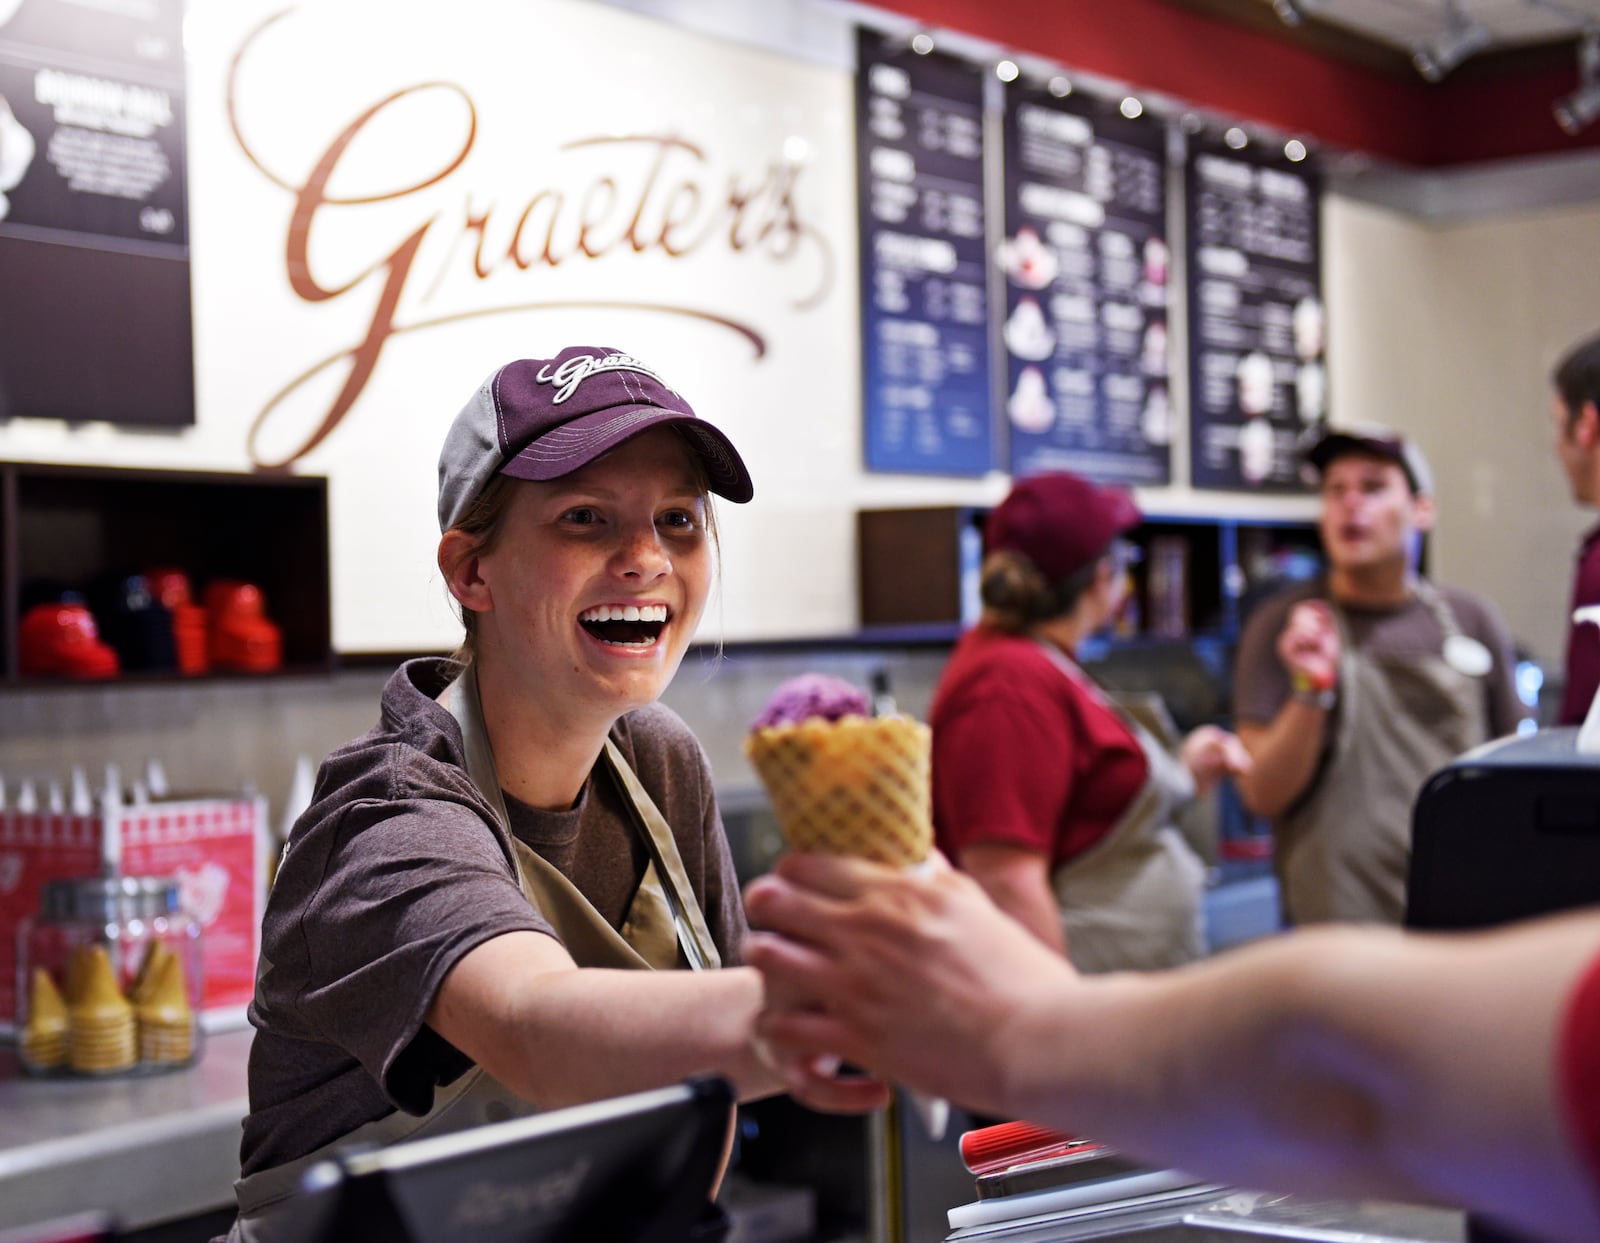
625	625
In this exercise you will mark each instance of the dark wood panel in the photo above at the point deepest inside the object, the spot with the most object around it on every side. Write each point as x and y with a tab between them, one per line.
65	527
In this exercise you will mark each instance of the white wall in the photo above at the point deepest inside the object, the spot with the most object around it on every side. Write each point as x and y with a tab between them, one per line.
1449	331
1444	329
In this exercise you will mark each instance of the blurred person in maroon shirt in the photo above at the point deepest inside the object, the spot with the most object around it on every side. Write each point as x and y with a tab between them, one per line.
1577	418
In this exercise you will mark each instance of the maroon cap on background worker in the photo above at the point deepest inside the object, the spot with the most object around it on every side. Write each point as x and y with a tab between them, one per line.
1060	522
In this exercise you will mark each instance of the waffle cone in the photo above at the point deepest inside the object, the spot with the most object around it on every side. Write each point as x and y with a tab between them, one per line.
101	998
856	786
48	1009
147	981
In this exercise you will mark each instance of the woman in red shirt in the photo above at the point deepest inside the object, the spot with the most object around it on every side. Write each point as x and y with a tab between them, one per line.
1055	800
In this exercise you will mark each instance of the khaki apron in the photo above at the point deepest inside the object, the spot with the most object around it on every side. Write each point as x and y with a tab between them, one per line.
1343	851
665	928
1134	901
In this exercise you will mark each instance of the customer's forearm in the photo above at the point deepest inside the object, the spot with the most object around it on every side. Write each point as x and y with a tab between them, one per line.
1339	1061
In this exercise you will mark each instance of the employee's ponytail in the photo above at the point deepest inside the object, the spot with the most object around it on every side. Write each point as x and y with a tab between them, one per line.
1017	596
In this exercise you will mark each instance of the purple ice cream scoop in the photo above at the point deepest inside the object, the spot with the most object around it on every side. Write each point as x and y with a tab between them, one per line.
813	695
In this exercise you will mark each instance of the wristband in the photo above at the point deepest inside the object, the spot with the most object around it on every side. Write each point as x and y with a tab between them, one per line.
1307	690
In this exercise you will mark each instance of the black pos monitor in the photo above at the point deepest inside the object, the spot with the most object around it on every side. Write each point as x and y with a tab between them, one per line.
1509	831
636	1169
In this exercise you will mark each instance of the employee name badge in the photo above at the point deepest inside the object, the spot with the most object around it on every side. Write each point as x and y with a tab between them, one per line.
1466	655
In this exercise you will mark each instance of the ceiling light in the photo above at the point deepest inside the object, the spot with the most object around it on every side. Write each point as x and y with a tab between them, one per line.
922	44
1007	71
1131	107
1236	138
1459	39
1291	12
1059	86
1294	150
1576	111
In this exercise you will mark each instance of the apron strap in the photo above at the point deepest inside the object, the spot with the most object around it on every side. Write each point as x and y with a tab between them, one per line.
693	935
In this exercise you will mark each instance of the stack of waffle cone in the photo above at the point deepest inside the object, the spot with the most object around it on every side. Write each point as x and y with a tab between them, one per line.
161	1006
856	786
77	974
102	1032
44	1037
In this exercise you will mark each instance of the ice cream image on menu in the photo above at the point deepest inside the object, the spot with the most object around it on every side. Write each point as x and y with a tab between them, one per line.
1307	321
1029	405
1153	286
1155	420
1153	350
1255	450
16	153
1255	378
1156	258
1028	261
1027	335
1311	391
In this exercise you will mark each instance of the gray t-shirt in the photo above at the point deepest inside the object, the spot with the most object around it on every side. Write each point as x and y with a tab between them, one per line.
397	870
1261	684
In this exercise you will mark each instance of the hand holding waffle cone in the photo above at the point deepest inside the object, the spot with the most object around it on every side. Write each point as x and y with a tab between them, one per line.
846	782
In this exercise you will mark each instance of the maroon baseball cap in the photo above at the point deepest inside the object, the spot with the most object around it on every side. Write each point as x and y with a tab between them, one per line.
1059	521
542	418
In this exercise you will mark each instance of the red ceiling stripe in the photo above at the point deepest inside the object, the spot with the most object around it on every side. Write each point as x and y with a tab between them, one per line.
1239	72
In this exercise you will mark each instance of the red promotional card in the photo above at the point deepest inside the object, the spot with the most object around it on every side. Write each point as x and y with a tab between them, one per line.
216	848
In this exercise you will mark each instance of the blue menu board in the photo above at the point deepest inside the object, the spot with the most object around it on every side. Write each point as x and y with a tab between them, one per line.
1085	259
93	198
1258	371
924	301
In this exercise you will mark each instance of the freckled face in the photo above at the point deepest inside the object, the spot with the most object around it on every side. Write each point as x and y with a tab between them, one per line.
598	580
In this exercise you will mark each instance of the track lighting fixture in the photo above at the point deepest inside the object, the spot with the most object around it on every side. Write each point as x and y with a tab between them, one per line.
1291	12
1575	111
1460	38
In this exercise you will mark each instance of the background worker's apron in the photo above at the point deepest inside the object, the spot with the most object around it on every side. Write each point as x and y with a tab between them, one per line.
1343	851
664	928
1134	900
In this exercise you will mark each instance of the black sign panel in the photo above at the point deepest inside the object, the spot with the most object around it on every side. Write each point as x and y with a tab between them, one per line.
95	320
1086	266
1257	325
924	300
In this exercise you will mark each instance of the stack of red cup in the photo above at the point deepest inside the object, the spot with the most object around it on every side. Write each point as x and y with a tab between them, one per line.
189	628
241	636
61	639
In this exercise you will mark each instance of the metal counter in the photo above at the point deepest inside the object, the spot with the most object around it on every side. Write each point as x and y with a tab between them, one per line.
147	1149
1209	1214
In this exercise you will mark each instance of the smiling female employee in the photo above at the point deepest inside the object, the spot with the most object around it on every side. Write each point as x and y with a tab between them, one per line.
458	925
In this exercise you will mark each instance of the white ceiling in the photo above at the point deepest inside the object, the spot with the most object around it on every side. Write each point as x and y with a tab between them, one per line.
1403	23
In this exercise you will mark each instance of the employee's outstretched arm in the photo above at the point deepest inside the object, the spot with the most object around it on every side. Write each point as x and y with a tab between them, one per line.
1339	1061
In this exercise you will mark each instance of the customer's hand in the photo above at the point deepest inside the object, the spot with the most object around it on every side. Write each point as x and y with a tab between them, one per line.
913	975
1210	754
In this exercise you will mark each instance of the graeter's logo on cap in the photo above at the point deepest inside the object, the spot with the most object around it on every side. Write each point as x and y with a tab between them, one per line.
574	371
